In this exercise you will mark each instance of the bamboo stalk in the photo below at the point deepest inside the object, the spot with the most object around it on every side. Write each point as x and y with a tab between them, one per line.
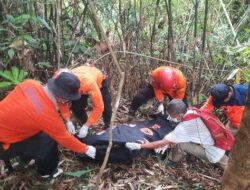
194	57
229	21
202	49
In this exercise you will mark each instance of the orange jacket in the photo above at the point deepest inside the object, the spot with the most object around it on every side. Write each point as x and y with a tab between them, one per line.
181	84
91	81
233	113
28	110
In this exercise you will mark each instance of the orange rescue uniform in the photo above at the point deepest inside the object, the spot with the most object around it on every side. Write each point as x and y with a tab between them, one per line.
233	113
28	110
180	90
91	81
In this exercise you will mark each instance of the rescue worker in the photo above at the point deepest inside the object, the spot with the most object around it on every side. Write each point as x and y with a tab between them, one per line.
230	98
166	81
93	86
188	137
31	127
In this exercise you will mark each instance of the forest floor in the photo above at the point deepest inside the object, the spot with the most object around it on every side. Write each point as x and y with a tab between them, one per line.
143	174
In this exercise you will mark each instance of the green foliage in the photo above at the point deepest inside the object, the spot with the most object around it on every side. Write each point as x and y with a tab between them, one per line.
11	53
11	77
78	173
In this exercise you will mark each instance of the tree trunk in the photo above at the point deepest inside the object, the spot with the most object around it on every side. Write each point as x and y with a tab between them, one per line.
202	50
153	28
236	175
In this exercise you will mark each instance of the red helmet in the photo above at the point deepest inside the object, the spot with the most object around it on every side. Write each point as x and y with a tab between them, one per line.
168	80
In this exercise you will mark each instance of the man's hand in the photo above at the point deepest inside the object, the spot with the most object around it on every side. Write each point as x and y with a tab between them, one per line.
91	152
161	108
71	127
83	131
133	146
161	150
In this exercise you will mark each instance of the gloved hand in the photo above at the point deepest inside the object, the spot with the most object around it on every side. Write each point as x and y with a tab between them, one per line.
161	108
83	131
71	127
161	150
172	119
133	146
91	152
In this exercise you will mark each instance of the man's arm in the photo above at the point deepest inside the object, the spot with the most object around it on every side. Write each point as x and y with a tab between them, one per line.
208	105
156	144
148	145
98	106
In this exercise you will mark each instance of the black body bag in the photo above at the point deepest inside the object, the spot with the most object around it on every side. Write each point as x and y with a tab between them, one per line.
123	133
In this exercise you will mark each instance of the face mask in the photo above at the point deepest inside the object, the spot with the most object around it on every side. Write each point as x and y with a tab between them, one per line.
173	119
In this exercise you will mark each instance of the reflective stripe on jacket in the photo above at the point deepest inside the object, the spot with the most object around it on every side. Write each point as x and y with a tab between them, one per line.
28	110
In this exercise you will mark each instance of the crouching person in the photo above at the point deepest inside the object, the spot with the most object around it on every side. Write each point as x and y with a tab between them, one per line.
31	127
190	136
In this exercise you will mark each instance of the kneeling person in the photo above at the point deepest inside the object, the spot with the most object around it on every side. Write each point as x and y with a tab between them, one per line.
188	137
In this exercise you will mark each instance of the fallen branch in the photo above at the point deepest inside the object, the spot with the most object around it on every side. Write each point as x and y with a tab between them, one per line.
208	177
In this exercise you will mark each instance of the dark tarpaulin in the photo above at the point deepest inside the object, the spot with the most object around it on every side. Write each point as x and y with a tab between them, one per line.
127	133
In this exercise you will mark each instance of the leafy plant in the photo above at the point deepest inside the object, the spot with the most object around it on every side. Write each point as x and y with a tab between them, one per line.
78	173
12	77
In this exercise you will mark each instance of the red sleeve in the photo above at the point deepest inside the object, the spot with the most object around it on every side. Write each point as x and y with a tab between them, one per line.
157	90
98	106
64	108
52	124
208	105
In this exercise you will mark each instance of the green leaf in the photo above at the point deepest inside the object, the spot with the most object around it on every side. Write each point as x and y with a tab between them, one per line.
22	75
78	173
22	19
11	53
29	39
15	73
247	30
5	84
7	75
43	22
10	19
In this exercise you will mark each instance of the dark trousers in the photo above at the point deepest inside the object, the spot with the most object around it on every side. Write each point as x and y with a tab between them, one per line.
144	95
40	147
79	106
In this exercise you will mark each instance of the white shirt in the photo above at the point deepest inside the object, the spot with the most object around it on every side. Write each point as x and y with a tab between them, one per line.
196	131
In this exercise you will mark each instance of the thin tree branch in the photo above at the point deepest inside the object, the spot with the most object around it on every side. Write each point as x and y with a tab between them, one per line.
122	75
229	21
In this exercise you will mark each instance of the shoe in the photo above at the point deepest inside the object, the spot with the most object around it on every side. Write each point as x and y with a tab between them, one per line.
54	174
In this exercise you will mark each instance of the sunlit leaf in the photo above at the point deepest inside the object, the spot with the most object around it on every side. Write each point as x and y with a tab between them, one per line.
11	53
15	73
5	84
6	75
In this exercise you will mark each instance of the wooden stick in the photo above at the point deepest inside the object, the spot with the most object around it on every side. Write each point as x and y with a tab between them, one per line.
208	177
122	75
